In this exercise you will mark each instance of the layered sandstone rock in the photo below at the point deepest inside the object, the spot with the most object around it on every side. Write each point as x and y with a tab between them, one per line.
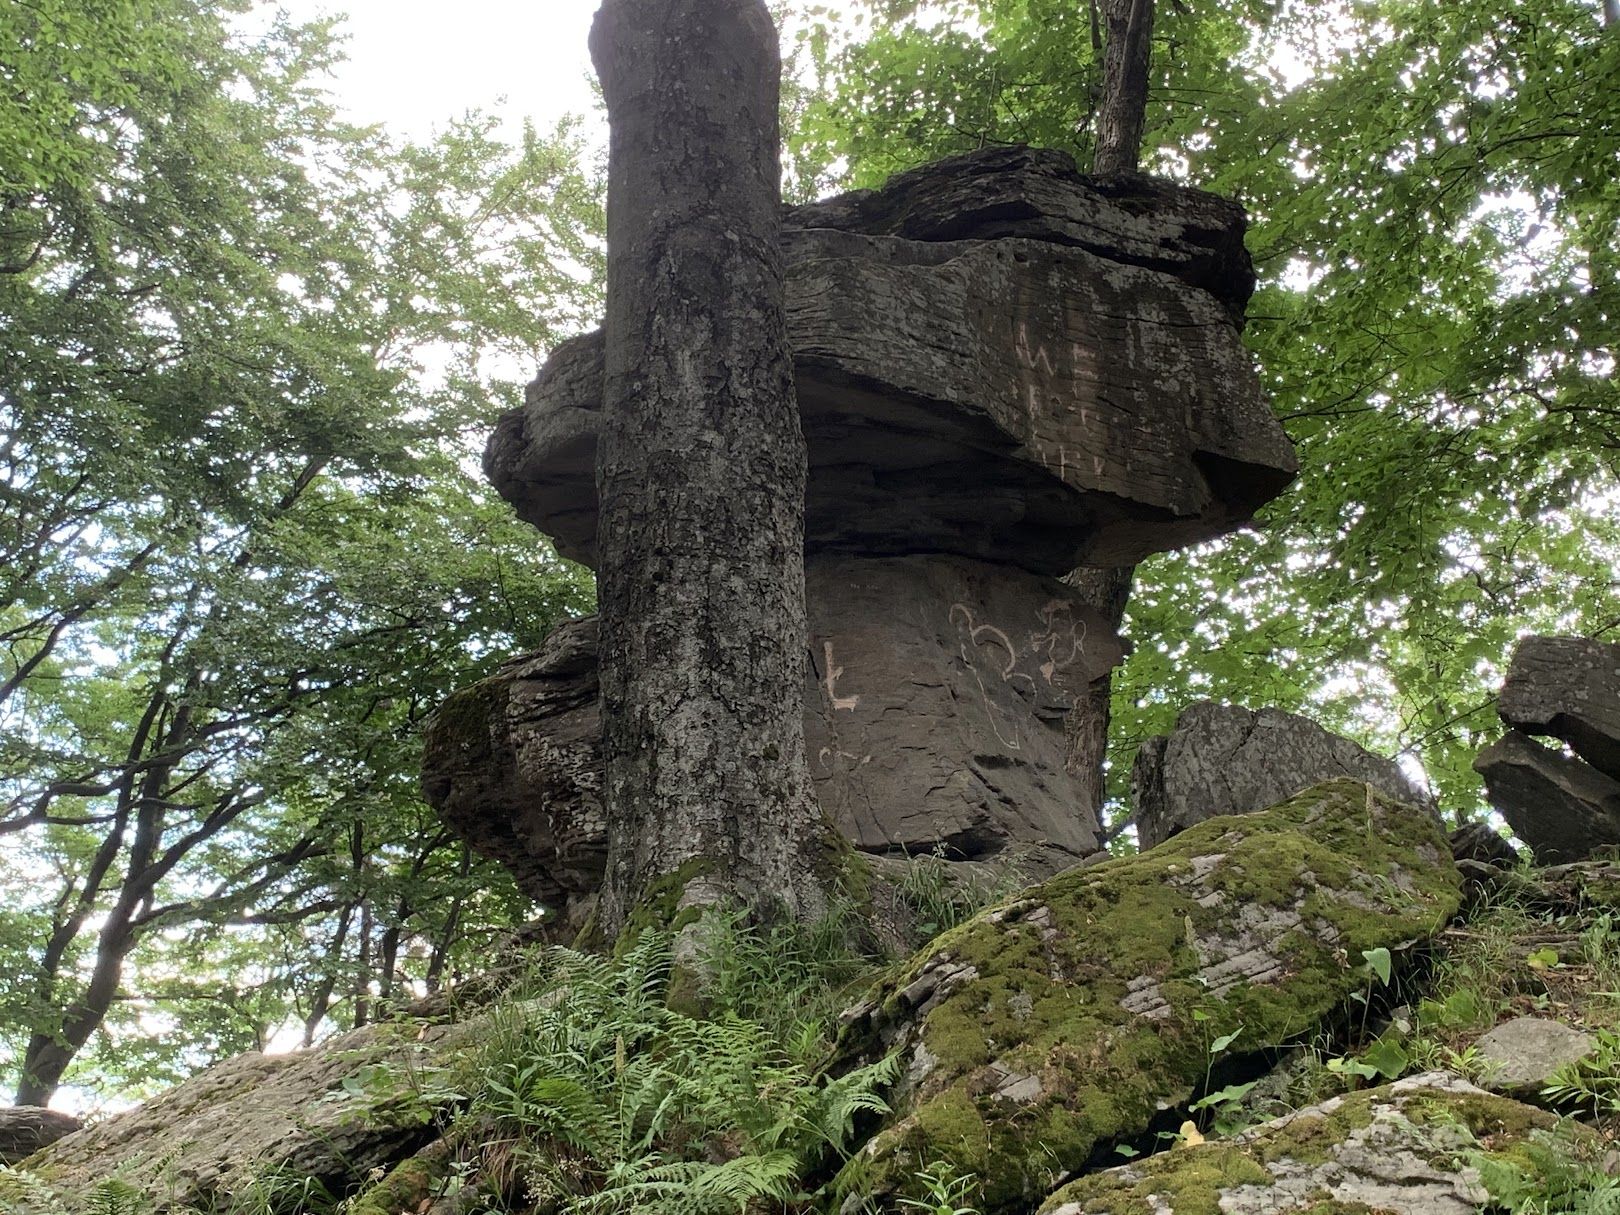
1004	370
1049	1029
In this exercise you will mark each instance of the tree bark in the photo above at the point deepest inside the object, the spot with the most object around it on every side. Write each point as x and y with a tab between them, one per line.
1122	113
700	471
1086	730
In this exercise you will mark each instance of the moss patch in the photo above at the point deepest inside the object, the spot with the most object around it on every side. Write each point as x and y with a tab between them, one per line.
659	908
1068	1019
405	1187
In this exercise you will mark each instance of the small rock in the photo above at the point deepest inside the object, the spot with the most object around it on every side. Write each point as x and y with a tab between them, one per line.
1476	841
1521	1055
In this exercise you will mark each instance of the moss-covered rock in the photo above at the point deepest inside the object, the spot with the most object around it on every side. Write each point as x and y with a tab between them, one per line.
1050	1028
1406	1148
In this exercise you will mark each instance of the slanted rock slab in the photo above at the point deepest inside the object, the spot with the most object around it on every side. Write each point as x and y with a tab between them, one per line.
1225	759
1401	1149
208	1140
1563	808
1569	688
1046	1030
1520	1056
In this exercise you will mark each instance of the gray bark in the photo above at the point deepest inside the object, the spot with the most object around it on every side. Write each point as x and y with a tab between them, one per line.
1120	119
700	468
1108	591
1122	114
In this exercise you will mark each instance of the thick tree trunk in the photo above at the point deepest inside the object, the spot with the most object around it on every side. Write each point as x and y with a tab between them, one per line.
700	470
1086	731
1122	113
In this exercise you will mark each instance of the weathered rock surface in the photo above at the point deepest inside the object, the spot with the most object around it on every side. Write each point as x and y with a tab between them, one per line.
1479	842
1562	808
1569	688
1046	1030
937	715
934	717
24	1129
514	765
1520	1056
996	358
209	1139
1225	759
1400	1149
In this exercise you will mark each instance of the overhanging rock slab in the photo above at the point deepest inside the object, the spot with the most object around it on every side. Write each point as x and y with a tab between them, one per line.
1052	378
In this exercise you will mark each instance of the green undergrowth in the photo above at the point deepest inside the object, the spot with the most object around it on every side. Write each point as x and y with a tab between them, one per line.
589	1093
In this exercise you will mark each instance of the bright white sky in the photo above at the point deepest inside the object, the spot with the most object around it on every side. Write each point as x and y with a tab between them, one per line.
414	64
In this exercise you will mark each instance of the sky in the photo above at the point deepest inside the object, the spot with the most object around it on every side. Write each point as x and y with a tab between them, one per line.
414	64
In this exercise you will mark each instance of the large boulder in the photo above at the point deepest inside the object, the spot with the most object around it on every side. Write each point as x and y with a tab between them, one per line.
1225	759
996	358
1569	688
211	1142
1406	1148
1564	809
1047	1030
934	709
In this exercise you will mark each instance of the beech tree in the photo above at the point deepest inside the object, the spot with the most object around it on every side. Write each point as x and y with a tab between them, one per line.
700	472
240	560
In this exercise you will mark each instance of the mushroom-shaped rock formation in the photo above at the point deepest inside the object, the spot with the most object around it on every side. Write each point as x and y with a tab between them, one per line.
1004	370
996	358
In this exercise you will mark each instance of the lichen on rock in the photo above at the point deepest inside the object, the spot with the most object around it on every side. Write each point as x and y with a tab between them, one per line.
1405	1147
1050	1028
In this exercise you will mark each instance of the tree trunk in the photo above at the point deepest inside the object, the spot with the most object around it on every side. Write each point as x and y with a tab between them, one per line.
1120	119
700	471
1123	111
1086	731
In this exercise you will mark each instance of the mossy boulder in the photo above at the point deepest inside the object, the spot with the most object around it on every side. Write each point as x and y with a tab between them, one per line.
1408	1148
1049	1029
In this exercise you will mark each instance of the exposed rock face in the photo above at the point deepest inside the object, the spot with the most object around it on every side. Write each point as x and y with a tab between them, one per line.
1224	759
1562	808
514	764
1401	1149
996	359
1048	1029
24	1129
206	1140
934	716
937	715
1569	688
1004	370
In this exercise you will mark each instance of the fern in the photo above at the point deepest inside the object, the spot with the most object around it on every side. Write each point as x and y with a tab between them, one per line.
1550	1174
22	1193
603	1100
